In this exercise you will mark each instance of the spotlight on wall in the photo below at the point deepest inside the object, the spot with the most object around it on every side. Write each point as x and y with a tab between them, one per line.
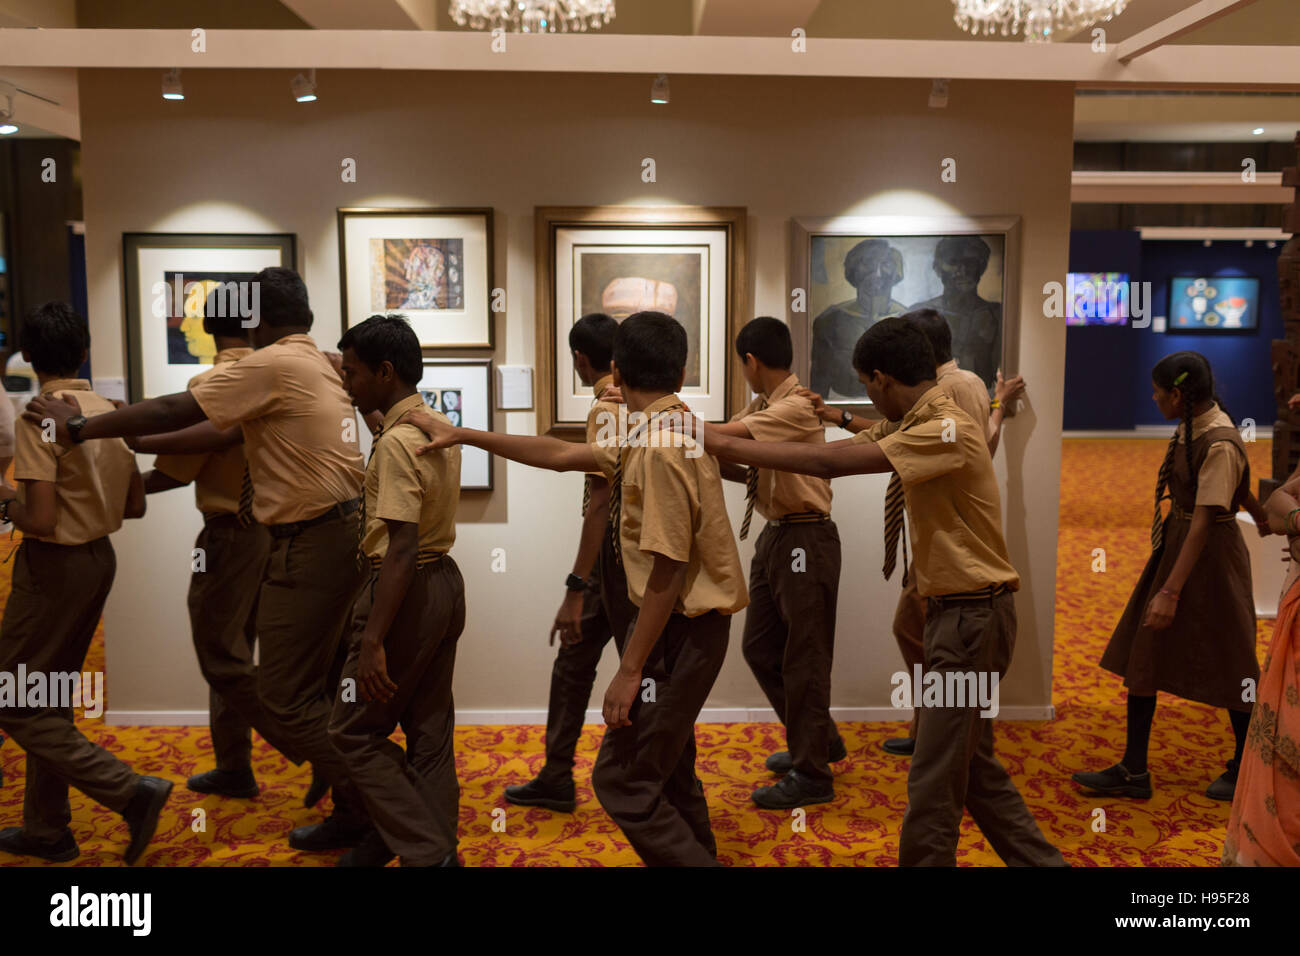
304	87
1250	243
1207	243
1271	244
938	94
1257	131
171	85
659	89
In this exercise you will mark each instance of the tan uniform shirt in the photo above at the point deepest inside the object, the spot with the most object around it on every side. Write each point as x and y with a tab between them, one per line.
218	476
403	486
967	390
787	417
952	496
1224	464
91	480
603	416
672	504
300	430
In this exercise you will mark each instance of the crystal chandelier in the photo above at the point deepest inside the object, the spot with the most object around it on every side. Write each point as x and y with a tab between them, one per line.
533	16
1041	19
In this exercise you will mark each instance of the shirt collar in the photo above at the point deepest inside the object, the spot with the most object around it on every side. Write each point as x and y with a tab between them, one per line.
601	384
298	338
65	385
788	385
921	410
659	404
232	355
400	409
946	368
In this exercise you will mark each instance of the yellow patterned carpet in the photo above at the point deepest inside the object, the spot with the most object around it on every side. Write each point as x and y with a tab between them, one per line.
1105	494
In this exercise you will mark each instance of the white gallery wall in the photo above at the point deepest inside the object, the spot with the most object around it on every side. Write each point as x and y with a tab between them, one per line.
238	155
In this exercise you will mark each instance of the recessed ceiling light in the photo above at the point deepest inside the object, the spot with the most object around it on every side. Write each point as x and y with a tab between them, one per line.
659	89
304	87
1257	131
8	128
171	85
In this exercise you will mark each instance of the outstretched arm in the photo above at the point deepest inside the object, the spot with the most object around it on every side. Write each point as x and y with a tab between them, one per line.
168	413
198	439
832	460
538	451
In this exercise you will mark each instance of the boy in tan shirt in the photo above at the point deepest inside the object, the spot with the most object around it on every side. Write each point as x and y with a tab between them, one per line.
962	570
73	497
683	574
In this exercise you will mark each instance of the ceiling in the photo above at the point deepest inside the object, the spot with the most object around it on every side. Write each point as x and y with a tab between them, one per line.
47	104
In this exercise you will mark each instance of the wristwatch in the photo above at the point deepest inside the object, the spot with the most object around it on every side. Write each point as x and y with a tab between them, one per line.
575	583
845	417
4	509
74	425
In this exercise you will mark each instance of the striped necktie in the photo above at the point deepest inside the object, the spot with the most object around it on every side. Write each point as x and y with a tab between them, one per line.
586	494
1162	482
751	488
361	526
245	513
616	484
893	524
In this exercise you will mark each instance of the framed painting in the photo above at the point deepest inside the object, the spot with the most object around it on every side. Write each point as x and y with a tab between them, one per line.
687	261
432	265
461	390
856	270
166	279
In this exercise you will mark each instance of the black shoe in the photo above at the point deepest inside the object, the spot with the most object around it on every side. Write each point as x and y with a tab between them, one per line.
781	762
371	851
316	792
792	790
329	835
1117	781
14	840
902	746
541	793
1226	786
225	783
141	814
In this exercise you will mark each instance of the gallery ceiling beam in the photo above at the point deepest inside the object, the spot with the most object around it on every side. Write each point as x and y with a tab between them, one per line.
371	15
1185	21
754	18
1109	186
1274	67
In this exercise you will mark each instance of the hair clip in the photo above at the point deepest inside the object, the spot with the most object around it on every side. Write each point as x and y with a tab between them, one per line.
1181	375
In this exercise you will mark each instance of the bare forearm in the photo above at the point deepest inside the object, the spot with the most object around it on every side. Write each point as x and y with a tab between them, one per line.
156	481
994	436
657	606
395	576
164	414
554	454
594	523
1191	550
730	471
822	461
199	439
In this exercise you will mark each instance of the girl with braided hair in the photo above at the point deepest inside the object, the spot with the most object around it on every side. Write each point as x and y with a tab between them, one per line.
1189	627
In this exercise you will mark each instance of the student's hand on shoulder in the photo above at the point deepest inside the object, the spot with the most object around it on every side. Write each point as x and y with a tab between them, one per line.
612	393
619	698
44	407
440	434
819	405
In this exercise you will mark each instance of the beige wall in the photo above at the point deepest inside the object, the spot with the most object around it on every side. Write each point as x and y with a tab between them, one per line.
239	155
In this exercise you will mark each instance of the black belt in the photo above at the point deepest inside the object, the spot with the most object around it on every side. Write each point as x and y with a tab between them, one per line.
340	510
422	558
983	594
802	517
219	517
1228	517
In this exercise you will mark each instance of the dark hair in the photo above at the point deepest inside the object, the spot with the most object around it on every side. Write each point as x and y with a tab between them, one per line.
55	338
282	298
650	351
221	312
935	328
896	347
1190	373
768	340
593	336
386	338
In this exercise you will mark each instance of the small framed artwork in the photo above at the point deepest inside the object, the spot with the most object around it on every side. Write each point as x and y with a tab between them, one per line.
432	265
462	390
167	278
859	270
687	261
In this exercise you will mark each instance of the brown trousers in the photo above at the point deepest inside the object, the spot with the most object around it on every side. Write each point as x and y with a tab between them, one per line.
607	612
58	594
223	621
311	581
412	795
645	773
789	640
954	764
909	629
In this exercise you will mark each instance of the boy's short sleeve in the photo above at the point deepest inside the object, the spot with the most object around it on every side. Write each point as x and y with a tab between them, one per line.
876	432
238	391
606	457
182	468
1219	476
920	452
401	492
790	419
668	505
34	458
